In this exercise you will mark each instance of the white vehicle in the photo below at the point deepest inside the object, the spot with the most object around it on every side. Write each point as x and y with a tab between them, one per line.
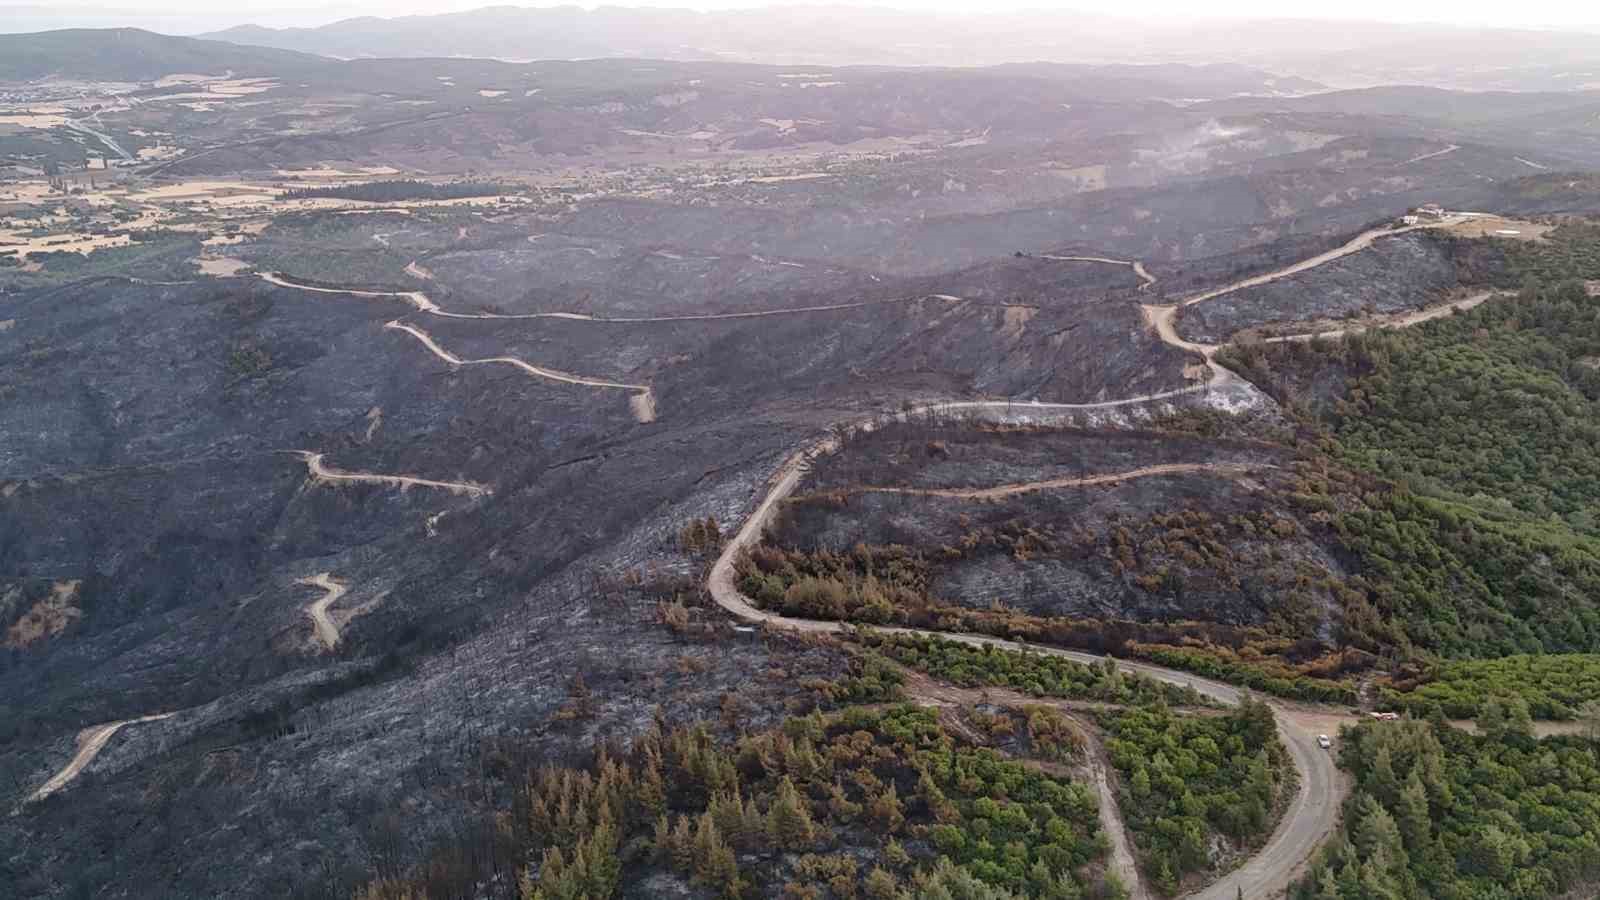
1324	742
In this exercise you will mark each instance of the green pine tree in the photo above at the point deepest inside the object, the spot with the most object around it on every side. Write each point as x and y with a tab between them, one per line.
789	824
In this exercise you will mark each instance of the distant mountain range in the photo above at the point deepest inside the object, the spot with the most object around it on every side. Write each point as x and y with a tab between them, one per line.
131	54
1306	56
1346	54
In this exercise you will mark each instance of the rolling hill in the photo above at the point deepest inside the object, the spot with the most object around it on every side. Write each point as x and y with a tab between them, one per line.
131	54
1342	53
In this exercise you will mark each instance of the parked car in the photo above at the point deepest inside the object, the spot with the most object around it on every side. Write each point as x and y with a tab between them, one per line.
1324	742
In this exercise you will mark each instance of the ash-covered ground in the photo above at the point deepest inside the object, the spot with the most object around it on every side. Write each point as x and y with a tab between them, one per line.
156	464
502	536
1165	526
1396	274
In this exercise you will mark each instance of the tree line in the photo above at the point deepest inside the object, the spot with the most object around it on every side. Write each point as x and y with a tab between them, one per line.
400	189
871	803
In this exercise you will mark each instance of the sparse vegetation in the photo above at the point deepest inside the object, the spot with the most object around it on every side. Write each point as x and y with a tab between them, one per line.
248	360
701	537
1051	735
863	803
166	256
882	585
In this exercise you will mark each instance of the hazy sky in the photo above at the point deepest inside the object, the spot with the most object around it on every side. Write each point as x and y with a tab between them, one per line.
195	15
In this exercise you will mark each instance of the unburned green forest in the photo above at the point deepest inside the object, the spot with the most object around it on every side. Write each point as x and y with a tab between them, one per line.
1439	813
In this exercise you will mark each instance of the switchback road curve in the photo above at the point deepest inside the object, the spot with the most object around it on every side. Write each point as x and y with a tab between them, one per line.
1313	814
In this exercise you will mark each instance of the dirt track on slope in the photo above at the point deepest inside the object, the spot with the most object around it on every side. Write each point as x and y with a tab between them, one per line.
926	690
322	472
1023	408
423	304
90	742
1164	320
1123	860
327	632
1221	470
1314	812
1311	817
643	403
1416	159
1136	264
1360	242
1404	320
415	298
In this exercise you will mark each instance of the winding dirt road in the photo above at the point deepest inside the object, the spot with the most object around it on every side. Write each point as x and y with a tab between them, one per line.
1416	159
1401	321
90	742
1136	264
1219	378
1164	320
1314	812
423	304
327	632
1358	243
1311	817
1019	406
415	298
83	127
1221	470
321	472
1123	860
642	403
925	690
